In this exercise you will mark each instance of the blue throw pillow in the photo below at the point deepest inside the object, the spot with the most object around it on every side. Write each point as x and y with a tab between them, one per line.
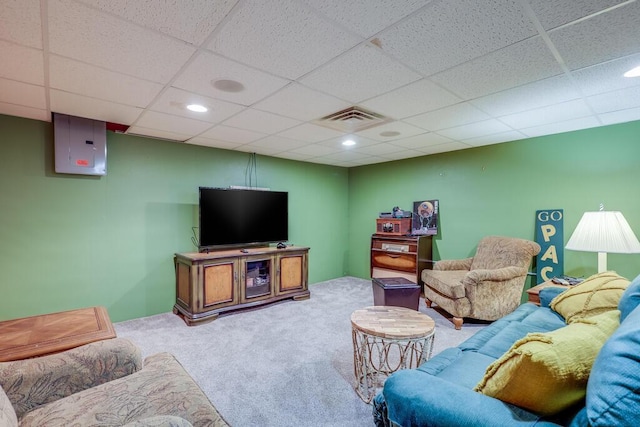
613	390
630	298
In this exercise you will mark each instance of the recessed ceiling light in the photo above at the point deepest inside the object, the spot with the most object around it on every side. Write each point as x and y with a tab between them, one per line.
349	142
228	85
197	108
634	72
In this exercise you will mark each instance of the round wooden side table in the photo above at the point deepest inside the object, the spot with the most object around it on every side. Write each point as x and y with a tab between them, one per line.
386	339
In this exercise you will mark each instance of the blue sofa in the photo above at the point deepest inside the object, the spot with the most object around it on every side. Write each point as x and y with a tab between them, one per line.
441	391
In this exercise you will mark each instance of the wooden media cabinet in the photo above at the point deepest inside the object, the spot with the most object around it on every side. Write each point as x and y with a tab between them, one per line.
209	284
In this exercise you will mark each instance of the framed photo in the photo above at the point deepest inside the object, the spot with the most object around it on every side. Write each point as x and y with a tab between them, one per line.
425	217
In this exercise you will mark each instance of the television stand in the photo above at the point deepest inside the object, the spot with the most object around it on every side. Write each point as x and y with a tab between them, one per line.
220	282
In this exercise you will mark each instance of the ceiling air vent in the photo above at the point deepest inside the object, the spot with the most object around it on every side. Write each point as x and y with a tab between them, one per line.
352	119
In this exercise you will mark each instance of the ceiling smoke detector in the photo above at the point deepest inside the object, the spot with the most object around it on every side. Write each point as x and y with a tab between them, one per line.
352	119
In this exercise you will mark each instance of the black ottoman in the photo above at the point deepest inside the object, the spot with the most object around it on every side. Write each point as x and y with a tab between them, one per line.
396	291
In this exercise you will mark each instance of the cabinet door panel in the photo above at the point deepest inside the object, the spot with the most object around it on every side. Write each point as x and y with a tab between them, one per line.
218	284
291	273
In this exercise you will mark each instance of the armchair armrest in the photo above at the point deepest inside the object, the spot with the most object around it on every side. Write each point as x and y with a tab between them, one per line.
453	264
415	398
497	275
30	383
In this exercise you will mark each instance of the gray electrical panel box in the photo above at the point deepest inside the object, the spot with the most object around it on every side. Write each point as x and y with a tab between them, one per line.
80	145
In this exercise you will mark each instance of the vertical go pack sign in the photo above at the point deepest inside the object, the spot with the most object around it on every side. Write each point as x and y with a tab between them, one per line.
550	237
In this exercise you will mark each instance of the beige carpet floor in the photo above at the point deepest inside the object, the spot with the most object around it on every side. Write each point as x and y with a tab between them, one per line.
287	364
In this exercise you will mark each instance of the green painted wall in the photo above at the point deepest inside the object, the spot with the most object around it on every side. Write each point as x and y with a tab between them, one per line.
70	241
496	189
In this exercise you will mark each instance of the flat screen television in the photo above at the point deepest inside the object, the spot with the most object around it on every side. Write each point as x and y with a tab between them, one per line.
239	217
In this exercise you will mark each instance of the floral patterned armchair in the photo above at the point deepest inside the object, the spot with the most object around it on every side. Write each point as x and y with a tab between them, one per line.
103	383
486	286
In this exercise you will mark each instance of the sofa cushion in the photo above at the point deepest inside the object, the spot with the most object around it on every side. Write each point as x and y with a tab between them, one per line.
448	283
613	396
8	415
548	372
504	339
630	299
465	370
599	293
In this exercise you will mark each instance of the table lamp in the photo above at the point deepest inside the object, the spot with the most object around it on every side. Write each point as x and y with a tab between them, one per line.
602	232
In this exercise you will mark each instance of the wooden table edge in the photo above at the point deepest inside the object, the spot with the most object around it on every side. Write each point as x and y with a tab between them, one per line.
105	331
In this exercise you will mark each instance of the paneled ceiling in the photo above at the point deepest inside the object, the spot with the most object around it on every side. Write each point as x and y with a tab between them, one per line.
440	75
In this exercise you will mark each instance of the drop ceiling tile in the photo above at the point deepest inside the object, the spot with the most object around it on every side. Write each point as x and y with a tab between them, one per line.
18	93
265	151
399	155
617	100
512	66
20	22
495	138
550	114
396	130
552	14
155	133
80	78
359	74
310	133
620	116
26	112
560	127
447	33
289	40
346	156
174	101
191	21
607	76
302	103
26	63
415	98
444	148
294	156
91	108
361	162
214	143
88	35
486	127
207	68
172	123
337	142
538	94
261	121
230	134
364	16
278	143
421	141
380	149
609	36
454	115
315	150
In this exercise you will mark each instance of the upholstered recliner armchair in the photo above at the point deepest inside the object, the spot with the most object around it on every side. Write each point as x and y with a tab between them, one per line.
103	383
486	286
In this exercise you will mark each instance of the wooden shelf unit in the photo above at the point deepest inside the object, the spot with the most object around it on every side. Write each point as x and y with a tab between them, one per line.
208	284
401	256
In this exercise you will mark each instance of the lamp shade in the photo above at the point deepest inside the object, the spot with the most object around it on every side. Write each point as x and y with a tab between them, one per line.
604	231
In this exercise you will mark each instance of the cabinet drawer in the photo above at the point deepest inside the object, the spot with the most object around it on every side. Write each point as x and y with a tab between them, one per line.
394	245
393	260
